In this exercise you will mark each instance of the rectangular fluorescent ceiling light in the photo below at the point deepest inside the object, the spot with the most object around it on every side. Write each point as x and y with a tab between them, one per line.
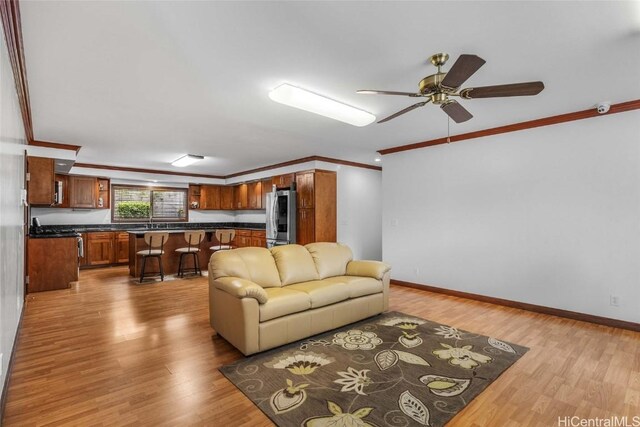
314	103
186	160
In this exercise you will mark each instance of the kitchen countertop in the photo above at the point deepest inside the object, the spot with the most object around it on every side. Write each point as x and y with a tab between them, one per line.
173	227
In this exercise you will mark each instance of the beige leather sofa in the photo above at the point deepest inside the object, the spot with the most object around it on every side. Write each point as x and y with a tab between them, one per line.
260	298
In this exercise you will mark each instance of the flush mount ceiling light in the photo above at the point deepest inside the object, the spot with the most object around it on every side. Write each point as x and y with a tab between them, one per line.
318	104
186	160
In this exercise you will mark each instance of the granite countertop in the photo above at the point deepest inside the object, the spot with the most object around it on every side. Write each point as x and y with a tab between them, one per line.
172	227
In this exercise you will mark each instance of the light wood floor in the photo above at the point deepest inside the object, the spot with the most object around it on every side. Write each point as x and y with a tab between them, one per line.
109	352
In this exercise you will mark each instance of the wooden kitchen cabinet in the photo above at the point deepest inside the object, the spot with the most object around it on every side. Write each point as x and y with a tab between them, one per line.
267	187
227	197
41	176
258	238
305	232
283	182
317	217
84	259
243	238
194	196
84	191
121	254
100	248
210	197
241	196
104	193
305	190
52	263
254	190
64	179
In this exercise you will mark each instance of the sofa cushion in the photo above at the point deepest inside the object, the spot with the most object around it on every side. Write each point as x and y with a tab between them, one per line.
358	286
322	292
295	264
283	301
255	264
331	259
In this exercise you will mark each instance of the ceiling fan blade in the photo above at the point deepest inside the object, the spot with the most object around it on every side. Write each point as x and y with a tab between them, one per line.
456	111
514	89
387	92
406	110
464	67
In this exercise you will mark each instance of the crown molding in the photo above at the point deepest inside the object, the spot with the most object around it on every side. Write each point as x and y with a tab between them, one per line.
10	16
56	145
141	170
546	121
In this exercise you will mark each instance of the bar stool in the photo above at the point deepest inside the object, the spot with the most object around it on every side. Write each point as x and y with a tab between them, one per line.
156	241
193	238
224	237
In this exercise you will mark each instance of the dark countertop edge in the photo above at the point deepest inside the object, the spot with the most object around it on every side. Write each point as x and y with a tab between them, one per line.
124	227
54	236
182	230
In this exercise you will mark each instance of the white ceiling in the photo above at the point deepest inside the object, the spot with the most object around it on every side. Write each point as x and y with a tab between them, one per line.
142	83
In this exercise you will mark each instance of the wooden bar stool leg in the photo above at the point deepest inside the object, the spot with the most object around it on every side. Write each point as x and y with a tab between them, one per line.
196	263
180	268
144	261
161	270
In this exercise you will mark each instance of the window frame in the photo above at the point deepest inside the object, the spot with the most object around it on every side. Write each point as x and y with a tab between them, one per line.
151	189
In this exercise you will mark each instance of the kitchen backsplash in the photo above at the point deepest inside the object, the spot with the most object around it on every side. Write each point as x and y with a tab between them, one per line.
58	216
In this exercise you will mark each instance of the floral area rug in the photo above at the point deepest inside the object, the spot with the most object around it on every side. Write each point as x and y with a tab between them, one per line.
388	370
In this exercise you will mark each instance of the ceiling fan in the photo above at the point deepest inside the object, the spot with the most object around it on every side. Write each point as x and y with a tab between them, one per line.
439	87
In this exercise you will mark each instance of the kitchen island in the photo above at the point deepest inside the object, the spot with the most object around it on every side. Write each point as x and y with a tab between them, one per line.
171	259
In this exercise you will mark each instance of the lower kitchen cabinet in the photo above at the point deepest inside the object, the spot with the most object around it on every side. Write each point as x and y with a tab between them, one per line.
243	238
106	248
100	248
306	226
52	263
122	248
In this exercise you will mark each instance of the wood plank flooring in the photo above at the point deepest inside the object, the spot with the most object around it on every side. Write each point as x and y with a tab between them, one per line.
111	352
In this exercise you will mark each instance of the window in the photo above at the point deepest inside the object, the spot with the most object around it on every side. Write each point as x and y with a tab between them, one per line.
138	204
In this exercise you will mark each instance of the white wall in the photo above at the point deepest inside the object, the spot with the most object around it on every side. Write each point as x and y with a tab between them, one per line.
548	216
11	211
360	211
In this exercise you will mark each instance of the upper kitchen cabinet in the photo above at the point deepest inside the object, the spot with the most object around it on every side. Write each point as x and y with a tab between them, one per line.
305	190
62	200
227	193
255	195
84	191
104	193
194	196
41	180
283	181
241	196
266	187
210	197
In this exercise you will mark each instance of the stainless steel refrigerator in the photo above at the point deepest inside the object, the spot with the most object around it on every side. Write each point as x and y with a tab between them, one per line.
281	217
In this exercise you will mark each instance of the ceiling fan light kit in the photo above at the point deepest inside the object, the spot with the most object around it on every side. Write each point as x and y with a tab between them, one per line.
314	103
438	88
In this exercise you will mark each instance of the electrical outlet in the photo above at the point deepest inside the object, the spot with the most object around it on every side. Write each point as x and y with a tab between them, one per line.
416	271
614	300
394	222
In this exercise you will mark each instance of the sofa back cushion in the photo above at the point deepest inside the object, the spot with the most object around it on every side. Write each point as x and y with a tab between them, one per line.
255	264
295	264
331	259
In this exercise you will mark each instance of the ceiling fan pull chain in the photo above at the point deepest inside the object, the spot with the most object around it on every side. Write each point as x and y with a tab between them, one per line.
448	133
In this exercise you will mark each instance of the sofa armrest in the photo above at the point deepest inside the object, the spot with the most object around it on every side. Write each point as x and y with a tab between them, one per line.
375	269
241	288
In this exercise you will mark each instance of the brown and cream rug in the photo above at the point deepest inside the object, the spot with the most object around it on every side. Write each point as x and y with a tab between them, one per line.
388	370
